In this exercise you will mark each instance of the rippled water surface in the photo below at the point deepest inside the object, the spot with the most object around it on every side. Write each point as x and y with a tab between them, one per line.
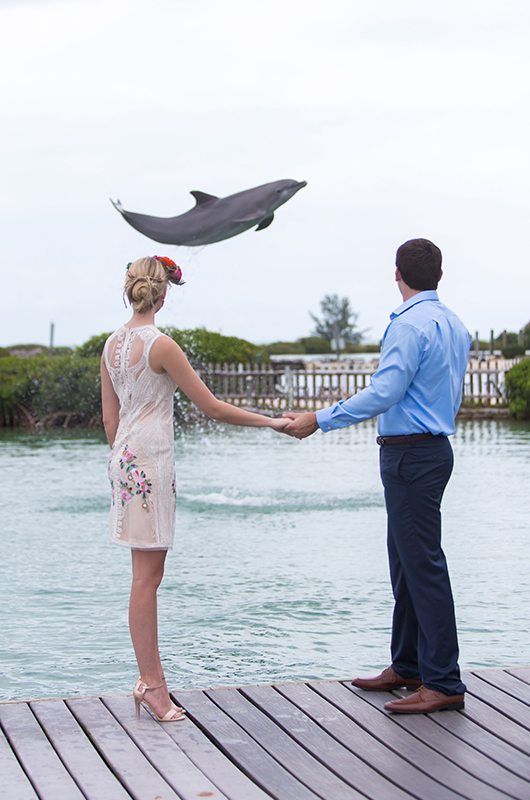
279	569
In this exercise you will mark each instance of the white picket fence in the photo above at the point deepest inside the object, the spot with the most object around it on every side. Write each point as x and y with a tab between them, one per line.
280	386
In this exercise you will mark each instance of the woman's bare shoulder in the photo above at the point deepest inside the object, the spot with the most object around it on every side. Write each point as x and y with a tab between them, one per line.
166	344
165	352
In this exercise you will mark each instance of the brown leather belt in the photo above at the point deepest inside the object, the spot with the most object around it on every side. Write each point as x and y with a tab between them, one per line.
413	437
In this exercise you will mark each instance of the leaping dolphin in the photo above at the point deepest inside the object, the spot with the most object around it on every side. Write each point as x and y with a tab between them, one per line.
215	218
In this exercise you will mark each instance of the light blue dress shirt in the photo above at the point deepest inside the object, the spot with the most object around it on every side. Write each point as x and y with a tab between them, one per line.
418	385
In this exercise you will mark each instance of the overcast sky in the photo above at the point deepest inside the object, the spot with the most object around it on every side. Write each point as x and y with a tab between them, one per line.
406	118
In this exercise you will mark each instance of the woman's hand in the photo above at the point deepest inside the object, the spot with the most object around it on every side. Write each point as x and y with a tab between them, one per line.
279	424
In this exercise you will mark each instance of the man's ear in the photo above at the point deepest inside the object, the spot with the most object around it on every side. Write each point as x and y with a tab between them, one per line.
441	275
398	274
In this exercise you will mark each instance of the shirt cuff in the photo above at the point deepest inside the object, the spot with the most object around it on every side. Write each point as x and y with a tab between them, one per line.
324	419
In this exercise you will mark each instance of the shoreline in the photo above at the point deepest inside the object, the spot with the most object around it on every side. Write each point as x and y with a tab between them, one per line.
465	413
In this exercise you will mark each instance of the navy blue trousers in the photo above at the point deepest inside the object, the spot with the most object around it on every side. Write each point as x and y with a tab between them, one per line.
424	639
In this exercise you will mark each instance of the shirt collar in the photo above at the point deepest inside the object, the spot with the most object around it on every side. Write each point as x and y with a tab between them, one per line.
412	301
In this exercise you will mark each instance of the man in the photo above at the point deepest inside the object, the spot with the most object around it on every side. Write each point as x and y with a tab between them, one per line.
416	393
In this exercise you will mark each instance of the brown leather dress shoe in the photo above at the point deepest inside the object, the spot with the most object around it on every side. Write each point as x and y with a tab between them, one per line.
386	681
424	701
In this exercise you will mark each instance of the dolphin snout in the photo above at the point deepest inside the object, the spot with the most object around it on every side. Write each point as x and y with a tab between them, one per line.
301	185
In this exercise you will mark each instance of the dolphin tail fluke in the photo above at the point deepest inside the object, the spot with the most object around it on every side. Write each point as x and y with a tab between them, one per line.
117	205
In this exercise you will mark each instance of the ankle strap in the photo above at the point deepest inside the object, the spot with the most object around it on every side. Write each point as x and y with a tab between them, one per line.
147	688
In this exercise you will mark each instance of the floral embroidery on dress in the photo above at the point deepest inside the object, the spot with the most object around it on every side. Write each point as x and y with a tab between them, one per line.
126	493
136	481
127	459
143	486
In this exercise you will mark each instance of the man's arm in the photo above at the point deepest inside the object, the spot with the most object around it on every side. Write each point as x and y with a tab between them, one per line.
399	362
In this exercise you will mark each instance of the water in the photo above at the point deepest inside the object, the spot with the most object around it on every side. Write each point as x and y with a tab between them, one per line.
279	569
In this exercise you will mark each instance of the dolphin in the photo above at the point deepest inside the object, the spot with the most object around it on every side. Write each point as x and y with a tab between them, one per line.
213	219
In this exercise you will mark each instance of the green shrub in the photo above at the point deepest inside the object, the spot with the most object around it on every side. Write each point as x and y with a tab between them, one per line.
200	345
49	389
204	347
28	350
513	350
53	388
362	348
284	348
93	346
518	389
315	344
507	338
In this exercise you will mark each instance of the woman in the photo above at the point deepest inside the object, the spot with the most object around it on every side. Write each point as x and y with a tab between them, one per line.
140	371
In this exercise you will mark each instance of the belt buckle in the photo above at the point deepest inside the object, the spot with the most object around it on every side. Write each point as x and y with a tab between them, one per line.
380	441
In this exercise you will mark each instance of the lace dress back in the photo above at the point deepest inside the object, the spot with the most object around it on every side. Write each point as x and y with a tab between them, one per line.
141	461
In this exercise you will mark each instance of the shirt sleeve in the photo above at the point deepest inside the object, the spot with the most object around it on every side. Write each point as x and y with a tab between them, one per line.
400	358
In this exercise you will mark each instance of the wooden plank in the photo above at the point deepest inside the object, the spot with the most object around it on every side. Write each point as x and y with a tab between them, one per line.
162	751
485	741
307	769
454	749
39	760
346	725
77	752
125	759
212	762
507	683
291	742
522	673
354	767
512	708
490	719
15	782
242	749
439	755
498	724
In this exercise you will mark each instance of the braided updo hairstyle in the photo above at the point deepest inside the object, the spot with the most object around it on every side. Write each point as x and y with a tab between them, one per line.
145	283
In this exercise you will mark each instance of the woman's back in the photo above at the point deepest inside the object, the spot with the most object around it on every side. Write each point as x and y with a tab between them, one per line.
145	396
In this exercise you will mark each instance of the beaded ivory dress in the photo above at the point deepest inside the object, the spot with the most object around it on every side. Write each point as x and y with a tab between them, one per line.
141	461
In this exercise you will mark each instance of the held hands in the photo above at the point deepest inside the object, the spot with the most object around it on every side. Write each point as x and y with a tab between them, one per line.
300	424
278	424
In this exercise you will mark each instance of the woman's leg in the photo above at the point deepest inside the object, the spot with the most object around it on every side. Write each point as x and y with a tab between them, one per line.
147	574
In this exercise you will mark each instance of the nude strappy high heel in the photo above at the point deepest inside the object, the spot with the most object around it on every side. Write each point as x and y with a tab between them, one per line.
174	714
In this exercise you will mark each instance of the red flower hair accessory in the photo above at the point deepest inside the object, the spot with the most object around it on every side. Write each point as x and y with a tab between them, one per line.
174	272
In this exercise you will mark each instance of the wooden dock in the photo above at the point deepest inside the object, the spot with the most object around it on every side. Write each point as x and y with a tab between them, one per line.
291	741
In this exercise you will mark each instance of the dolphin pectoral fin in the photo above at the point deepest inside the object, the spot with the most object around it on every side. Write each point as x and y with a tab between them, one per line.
265	222
253	217
203	197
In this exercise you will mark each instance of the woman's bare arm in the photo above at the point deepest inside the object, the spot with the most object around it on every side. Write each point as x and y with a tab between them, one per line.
110	404
167	356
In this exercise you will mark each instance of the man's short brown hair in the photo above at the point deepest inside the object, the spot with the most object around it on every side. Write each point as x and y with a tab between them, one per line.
420	264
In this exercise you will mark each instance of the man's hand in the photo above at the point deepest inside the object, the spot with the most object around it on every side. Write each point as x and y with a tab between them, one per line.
302	424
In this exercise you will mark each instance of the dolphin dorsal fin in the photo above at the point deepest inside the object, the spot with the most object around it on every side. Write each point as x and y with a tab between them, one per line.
203	197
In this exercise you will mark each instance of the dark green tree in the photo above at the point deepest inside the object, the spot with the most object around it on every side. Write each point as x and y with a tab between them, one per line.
338	321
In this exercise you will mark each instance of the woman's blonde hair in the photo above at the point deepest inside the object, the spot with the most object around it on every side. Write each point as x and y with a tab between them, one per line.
145	283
